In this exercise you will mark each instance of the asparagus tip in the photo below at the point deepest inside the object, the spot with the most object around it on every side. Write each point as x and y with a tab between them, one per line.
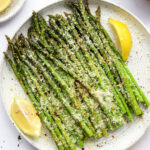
7	37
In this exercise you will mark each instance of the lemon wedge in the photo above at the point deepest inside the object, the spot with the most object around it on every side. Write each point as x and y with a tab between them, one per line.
25	117
4	4
124	38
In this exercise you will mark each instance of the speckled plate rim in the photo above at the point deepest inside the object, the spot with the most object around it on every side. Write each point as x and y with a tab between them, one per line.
107	2
15	11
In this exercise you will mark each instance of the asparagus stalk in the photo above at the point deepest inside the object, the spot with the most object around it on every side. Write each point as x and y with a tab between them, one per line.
75	114
54	131
96	38
32	57
76	135
96	22
106	68
63	48
89	59
146	101
63	67
59	64
18	63
103	64
57	57
50	108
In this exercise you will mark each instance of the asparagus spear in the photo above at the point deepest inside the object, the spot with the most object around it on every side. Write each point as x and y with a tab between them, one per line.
18	64
100	58
63	67
62	48
96	38
35	61
54	52
58	63
125	67
50	108
73	112
64	85
106	68
90	62
42	99
64	116
96	22
53	130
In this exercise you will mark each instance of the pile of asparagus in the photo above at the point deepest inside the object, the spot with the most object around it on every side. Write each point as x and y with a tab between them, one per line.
75	77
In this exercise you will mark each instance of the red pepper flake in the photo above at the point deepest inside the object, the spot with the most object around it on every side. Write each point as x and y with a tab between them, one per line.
79	96
75	54
37	114
113	137
55	113
60	108
86	92
70	47
99	146
45	93
117	82
19	137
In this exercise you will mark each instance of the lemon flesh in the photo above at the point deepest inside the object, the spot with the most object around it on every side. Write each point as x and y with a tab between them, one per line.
123	36
4	4
25	117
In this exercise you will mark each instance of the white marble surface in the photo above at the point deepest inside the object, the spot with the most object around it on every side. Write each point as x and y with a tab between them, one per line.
8	134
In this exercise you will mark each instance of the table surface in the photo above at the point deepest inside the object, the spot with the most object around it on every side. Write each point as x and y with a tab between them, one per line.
8	134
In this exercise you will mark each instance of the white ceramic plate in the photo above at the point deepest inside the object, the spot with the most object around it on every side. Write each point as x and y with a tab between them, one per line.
14	7
138	63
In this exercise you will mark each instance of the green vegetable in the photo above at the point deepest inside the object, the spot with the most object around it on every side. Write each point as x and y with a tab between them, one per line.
74	76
